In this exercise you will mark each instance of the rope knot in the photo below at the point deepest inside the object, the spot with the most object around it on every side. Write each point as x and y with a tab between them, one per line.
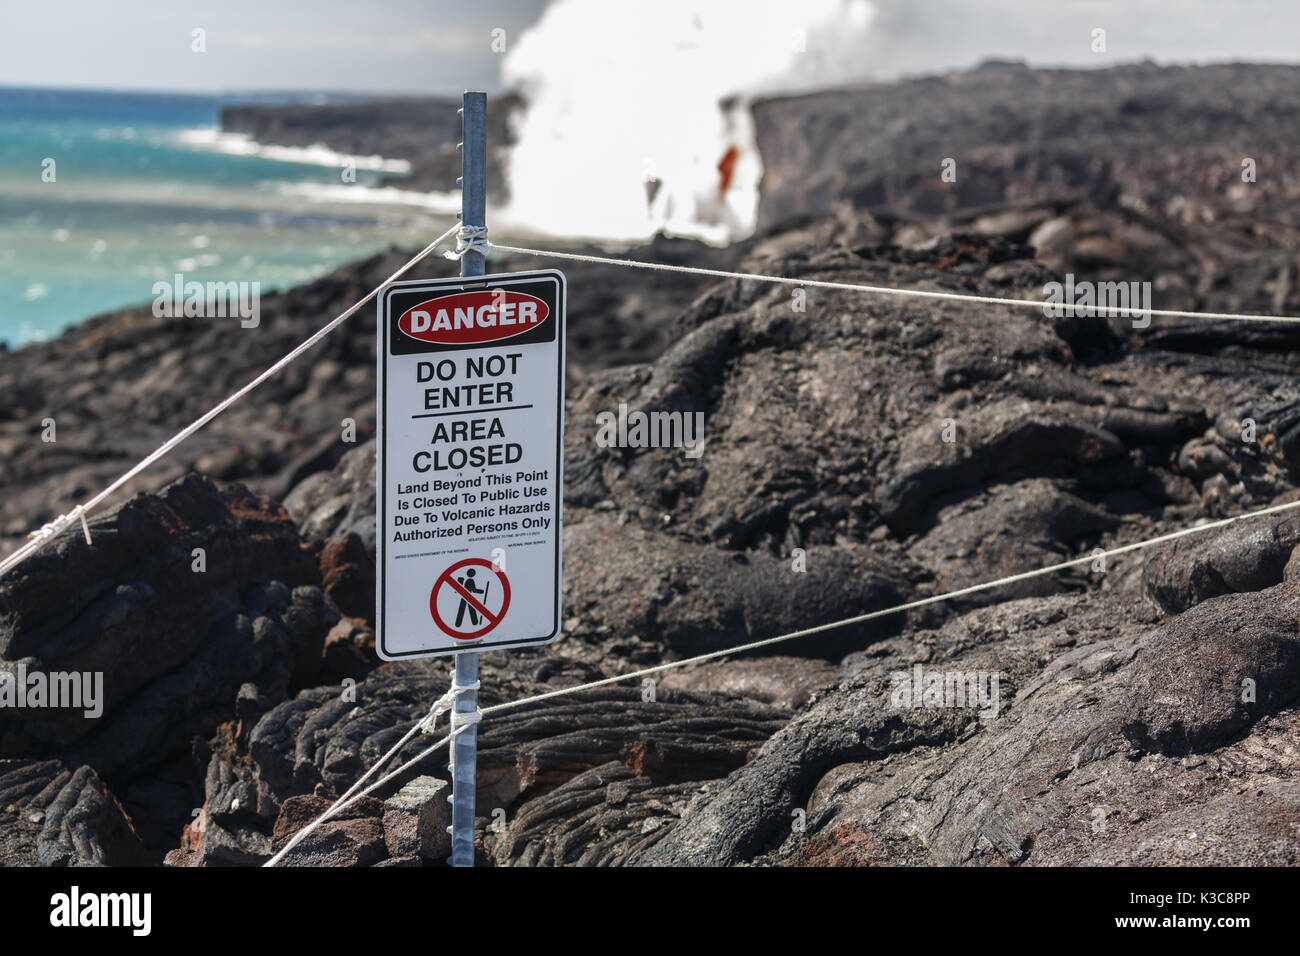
462	721
470	238
60	524
440	707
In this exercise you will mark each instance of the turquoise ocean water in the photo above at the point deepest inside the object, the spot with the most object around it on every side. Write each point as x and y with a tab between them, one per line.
146	186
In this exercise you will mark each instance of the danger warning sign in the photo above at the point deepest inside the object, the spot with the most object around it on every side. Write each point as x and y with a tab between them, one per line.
470	463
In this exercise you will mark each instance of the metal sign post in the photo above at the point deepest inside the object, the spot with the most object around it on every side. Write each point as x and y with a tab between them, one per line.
464	746
470	467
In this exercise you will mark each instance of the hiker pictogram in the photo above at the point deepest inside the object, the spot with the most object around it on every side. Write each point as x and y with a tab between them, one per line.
469	599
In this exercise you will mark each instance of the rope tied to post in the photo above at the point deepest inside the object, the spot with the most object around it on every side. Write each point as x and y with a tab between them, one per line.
1119	311
470	239
440	707
39	538
460	721
424	725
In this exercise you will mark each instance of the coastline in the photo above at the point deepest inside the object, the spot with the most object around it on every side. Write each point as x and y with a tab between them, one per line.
419	131
824	424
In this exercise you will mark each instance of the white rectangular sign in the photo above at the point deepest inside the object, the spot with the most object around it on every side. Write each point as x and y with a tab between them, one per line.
471	455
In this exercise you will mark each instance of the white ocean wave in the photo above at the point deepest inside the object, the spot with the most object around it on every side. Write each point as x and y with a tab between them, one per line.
241	144
444	203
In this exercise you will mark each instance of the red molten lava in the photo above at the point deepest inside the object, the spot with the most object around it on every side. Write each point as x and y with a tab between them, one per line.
727	169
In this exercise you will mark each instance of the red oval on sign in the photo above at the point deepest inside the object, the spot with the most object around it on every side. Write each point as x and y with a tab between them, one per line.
471	317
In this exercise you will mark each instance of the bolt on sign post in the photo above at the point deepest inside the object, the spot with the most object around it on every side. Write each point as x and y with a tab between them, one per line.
470	467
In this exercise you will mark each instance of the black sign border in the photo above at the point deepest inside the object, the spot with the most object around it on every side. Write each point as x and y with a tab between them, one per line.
450	285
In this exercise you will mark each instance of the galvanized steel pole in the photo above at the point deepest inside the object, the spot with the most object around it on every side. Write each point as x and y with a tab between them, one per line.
473	205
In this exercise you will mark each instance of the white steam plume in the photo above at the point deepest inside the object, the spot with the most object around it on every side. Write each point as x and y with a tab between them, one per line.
636	109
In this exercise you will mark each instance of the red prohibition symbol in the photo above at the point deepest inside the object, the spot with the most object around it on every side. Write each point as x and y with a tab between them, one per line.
471	596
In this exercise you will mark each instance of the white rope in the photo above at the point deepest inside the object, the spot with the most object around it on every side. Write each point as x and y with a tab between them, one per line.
440	707
56	527
896	609
59	525
461	721
424	725
470	239
474	238
468	720
472	719
1121	311
344	802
